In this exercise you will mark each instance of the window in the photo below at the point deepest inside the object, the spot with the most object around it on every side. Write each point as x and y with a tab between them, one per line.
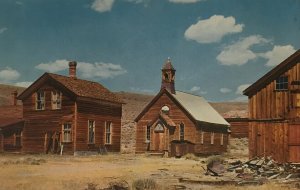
108	125
148	130
212	138
282	83
40	100
181	128
159	128
202	137
18	139
56	99
222	139
165	110
67	132
91	128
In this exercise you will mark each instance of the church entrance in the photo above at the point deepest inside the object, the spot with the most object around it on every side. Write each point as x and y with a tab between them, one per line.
158	143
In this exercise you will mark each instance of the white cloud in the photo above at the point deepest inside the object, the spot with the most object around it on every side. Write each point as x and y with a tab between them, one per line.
8	74
184	1
23	84
212	29
137	1
102	5
55	66
278	54
241	88
86	70
225	90
195	88
101	70
3	30
148	91
239	53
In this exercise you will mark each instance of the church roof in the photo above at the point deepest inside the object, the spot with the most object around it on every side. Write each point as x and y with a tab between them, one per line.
196	107
199	108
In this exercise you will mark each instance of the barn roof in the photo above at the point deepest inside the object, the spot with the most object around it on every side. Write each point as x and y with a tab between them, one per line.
78	87
273	74
199	108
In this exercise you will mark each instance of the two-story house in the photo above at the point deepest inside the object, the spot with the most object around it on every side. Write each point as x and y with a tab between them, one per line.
68	114
274	112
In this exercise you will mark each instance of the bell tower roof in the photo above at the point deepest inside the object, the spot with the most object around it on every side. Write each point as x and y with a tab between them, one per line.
168	76
168	65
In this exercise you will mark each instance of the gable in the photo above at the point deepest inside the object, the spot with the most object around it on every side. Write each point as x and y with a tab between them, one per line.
157	98
272	75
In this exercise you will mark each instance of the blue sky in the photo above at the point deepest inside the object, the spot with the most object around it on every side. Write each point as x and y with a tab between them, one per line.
218	47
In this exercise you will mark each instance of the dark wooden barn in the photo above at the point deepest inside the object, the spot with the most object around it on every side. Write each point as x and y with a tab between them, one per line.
274	112
69	114
177	123
239	127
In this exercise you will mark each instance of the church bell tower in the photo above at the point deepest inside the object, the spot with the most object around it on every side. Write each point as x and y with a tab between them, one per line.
168	77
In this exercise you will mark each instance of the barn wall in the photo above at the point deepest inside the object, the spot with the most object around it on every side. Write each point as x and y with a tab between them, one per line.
239	127
40	122
100	113
270	111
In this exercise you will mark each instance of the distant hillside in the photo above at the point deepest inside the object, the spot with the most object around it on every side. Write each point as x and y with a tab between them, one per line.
136	102
5	93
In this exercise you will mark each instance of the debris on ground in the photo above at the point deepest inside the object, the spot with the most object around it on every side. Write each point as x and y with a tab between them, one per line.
257	171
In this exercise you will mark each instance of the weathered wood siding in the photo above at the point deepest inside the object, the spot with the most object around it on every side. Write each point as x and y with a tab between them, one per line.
100	112
239	127
40	122
270	114
191	131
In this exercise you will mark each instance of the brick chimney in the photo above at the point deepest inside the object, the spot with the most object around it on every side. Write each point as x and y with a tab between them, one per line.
72	69
14	95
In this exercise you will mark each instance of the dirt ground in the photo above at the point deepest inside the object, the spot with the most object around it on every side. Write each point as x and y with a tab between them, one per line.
77	172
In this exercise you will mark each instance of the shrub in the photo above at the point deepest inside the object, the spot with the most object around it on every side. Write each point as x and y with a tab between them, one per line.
144	184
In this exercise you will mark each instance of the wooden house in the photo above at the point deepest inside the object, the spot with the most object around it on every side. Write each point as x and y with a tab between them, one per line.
274	112
68	114
177	123
11	126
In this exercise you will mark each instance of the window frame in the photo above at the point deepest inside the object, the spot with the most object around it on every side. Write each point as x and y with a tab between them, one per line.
40	100
221	139
148	133
67	131
282	83
108	134
181	131
212	137
202	137
93	131
56	99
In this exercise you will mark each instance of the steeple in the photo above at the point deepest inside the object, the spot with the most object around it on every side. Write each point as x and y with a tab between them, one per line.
168	76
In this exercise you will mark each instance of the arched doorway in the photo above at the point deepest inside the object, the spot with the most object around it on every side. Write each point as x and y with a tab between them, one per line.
159	137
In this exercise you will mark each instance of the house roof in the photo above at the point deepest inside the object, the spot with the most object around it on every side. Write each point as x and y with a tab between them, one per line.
195	106
79	87
10	115
199	108
167	119
273	74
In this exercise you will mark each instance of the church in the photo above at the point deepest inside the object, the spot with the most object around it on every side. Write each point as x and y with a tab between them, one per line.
176	123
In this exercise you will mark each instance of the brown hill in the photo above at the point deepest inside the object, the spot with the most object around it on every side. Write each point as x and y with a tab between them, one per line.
136	102
5	93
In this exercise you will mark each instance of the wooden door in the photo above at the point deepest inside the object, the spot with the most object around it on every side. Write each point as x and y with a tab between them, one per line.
294	143
159	141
